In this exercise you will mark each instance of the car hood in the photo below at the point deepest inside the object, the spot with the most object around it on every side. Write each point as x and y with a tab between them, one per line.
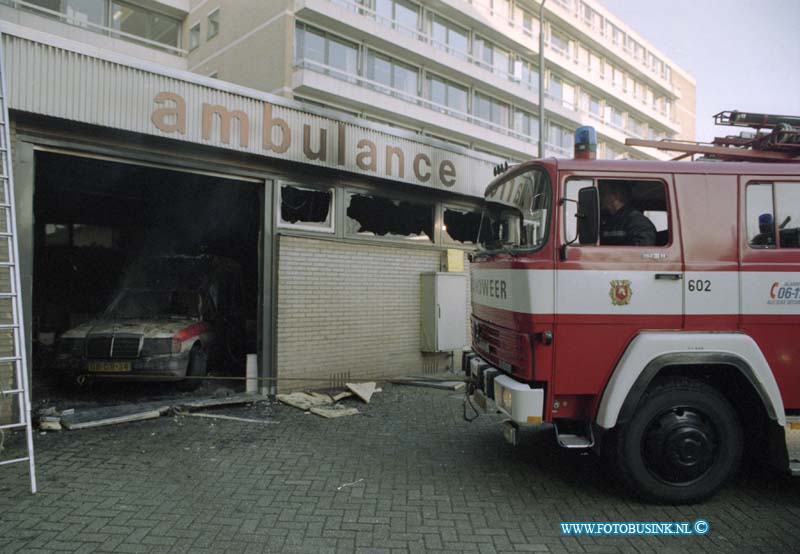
162	328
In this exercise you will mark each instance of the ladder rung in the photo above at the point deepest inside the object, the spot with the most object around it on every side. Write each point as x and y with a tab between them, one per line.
8	235
12	391
12	425
7	264
8	325
10	359
18	460
7	295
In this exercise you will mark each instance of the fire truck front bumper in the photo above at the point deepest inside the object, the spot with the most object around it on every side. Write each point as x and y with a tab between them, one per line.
519	401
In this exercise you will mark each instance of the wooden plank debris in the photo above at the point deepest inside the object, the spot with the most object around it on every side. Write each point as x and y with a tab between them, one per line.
333	411
214	402
432	383
229	418
363	390
112	415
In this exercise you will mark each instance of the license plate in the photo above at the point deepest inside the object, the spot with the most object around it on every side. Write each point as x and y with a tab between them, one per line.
109	367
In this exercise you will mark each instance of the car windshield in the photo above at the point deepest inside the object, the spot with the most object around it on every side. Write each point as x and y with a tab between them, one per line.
149	304
517	214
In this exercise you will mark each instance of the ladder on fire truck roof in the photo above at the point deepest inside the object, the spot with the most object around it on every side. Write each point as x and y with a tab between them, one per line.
775	138
11	324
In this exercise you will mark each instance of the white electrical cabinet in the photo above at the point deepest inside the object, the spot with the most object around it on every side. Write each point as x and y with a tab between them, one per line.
443	311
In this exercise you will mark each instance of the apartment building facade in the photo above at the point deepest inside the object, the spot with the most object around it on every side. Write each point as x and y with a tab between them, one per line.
350	140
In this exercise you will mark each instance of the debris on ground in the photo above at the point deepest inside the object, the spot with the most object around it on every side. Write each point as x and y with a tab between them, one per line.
218	401
305	400
332	412
443	383
50	423
340	487
363	390
336	393
227	417
50	419
112	415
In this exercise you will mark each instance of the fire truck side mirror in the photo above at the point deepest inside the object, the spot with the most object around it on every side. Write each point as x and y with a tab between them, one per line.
588	215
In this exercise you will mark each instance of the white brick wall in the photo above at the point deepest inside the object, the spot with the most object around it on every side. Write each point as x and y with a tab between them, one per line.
345	307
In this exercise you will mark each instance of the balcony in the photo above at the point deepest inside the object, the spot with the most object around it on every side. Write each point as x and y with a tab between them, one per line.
333	85
361	23
337	87
75	27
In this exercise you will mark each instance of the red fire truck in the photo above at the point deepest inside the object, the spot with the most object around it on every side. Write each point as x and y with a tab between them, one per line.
674	348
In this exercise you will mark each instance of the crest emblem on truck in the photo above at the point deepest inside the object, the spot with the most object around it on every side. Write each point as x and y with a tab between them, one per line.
620	293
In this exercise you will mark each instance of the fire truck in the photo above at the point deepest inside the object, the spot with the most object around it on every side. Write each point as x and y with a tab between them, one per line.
672	347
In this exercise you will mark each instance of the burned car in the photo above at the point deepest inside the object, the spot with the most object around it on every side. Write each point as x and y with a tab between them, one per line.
171	314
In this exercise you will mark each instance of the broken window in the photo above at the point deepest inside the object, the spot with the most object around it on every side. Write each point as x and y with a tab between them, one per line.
463	226
306	208
383	217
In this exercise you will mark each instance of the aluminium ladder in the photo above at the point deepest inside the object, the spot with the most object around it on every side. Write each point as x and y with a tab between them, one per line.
11	324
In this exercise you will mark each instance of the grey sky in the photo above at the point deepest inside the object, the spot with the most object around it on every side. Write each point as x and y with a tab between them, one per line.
744	54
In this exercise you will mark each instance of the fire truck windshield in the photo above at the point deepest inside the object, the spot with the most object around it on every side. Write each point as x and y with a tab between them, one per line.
517	215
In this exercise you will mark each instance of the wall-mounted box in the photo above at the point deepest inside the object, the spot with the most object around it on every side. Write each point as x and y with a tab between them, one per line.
443	311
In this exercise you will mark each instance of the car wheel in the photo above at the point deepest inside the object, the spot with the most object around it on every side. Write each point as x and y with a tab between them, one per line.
198	367
682	444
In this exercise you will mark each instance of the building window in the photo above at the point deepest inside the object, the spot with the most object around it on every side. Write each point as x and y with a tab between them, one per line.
615	117
449	37
489	109
400	14
86	11
447	94
194	36
326	51
393	74
527	74
526	124
489	56
213	24
305	208
146	24
461	226
378	216
559	42
591	105
635	127
560	139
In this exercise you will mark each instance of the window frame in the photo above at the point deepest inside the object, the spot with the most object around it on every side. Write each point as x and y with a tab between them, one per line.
215	26
194	38
329	229
595	180
348	191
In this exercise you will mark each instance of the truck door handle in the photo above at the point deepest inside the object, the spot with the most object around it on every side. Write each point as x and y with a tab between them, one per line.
669	276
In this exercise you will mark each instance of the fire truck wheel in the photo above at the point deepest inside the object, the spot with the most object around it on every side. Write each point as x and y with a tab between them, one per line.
682	444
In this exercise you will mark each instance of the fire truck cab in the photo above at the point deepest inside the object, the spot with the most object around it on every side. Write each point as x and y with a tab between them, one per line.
673	349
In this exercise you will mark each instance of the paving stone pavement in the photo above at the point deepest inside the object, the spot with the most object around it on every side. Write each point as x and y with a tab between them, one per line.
409	475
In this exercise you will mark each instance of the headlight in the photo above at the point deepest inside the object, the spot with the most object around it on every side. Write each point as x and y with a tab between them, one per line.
72	347
506	400
160	347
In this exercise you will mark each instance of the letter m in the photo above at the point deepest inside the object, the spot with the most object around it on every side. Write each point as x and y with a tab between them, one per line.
225	116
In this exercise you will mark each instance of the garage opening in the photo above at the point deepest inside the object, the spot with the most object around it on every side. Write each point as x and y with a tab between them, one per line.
142	276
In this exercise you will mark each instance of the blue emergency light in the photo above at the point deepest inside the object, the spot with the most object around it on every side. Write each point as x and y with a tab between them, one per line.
585	143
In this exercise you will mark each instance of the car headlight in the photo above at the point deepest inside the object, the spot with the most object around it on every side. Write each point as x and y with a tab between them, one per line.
161	347
71	346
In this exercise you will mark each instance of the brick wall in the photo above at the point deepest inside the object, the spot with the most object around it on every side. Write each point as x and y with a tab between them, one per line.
345	307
